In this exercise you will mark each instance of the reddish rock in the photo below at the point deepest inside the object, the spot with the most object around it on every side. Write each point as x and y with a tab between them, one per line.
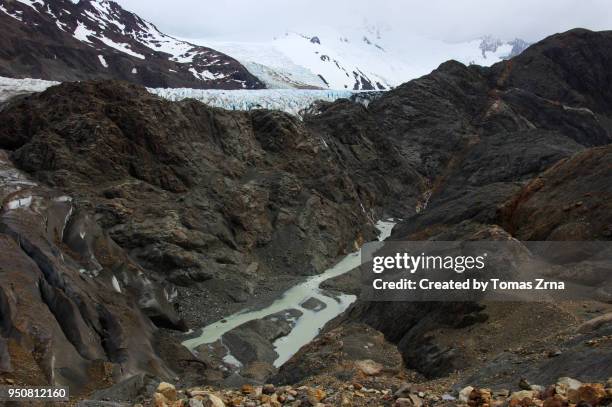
588	393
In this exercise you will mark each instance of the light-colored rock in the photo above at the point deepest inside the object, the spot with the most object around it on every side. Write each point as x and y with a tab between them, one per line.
565	384
195	403
159	400
520	395
315	395
168	390
464	394
369	367
416	400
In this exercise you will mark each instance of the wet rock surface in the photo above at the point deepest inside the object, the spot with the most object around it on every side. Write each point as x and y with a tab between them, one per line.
313	304
253	341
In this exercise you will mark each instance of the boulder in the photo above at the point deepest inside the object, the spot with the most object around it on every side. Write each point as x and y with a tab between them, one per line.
368	367
167	390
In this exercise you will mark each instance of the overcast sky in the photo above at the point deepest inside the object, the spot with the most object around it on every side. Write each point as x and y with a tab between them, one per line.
451	20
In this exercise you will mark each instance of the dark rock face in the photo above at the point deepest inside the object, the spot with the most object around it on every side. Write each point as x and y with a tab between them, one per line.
482	137
570	201
204	198
571	69
64	40
63	321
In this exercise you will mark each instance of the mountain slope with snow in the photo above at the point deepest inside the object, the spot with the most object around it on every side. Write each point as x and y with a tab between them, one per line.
68	40
367	58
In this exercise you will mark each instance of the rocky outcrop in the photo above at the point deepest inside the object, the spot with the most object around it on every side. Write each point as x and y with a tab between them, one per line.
568	69
510	151
570	201
73	304
351	352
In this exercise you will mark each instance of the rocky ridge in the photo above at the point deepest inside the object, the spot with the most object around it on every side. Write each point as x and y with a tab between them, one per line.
520	150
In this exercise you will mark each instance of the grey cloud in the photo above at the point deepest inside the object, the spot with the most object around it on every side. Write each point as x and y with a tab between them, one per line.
451	20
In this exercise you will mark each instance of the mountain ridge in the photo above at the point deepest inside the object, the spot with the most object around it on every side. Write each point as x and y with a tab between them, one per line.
67	40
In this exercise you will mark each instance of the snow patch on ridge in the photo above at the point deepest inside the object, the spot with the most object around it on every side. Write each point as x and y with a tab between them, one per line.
82	33
103	61
16	16
31	3
120	47
116	285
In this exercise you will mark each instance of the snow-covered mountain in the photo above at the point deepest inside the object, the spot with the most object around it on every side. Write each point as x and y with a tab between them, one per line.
366	58
95	39
67	40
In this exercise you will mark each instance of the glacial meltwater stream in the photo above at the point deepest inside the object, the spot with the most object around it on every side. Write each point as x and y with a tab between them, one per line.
307	325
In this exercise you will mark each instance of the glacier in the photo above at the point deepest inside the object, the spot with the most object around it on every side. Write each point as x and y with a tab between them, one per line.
292	101
11	87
